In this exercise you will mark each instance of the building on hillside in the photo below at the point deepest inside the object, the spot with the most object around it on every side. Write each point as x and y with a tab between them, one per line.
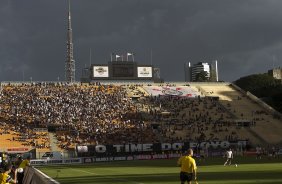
192	72
276	73
213	71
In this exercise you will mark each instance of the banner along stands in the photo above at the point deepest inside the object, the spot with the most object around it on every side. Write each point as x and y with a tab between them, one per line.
136	149
17	150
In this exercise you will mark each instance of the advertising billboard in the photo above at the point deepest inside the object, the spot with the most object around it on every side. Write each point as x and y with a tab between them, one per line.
144	72
100	71
82	149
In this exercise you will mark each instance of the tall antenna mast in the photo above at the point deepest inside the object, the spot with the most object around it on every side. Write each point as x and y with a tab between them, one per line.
151	57
90	57
273	60
70	63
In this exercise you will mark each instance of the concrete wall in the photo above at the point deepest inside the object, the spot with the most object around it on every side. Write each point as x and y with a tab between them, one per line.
34	176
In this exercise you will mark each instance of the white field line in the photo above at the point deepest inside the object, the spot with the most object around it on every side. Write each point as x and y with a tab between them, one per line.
85	171
134	182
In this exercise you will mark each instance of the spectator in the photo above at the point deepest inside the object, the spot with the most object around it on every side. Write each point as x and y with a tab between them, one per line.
5	178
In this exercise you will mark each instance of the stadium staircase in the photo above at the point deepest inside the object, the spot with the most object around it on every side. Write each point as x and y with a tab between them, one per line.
53	142
229	112
261	140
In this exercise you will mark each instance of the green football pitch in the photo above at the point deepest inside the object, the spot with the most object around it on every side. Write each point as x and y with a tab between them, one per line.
210	171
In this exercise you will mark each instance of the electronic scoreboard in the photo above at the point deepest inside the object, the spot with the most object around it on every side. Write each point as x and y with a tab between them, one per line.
121	70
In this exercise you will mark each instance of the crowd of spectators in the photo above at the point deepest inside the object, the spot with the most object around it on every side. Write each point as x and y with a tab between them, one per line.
82	114
190	119
109	114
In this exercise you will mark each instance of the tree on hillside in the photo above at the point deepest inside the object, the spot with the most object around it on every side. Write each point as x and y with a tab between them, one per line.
265	87
257	81
277	101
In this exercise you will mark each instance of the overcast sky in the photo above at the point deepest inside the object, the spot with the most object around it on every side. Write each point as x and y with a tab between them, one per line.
243	35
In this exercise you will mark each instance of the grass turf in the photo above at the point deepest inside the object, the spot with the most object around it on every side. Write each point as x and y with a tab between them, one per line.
211	171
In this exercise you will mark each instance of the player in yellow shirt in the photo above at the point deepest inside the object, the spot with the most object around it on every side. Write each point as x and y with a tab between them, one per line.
5	178
188	167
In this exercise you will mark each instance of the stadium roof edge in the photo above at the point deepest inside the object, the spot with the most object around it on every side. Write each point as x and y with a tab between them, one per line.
118	82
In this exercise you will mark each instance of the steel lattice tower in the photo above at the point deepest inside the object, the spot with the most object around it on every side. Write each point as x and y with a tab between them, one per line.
70	63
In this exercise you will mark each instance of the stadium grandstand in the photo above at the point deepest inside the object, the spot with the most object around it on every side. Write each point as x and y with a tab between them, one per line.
60	116
123	110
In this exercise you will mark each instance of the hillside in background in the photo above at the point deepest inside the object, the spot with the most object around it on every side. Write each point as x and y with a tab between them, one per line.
264	87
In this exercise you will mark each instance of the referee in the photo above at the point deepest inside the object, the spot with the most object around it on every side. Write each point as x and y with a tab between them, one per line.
188	167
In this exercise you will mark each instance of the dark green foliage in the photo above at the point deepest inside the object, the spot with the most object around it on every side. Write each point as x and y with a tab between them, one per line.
265	87
202	76
277	99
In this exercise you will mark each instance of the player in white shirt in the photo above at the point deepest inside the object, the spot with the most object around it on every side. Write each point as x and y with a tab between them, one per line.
229	156
258	152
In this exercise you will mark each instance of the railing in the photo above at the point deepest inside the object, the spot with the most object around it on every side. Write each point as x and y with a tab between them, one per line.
264	105
258	101
4	83
40	129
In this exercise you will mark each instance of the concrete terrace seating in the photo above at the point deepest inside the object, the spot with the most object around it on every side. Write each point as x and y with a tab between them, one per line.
6	141
12	139
128	113
266	127
189	118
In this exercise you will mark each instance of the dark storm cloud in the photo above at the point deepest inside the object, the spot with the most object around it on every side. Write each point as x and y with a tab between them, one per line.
243	35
